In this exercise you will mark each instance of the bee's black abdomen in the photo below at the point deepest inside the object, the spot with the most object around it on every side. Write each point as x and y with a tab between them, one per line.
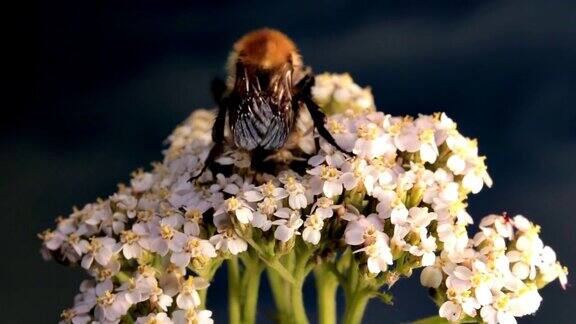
260	122
276	135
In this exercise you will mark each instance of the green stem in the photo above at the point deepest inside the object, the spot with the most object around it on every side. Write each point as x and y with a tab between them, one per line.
251	285
357	294
234	289
326	287
355	307
301	269
202	294
298	308
281	295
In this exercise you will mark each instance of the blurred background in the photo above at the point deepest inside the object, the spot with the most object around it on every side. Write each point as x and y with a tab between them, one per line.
100	85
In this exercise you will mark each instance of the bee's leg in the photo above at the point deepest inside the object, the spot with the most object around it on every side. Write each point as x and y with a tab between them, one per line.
259	163
218	88
319	119
305	95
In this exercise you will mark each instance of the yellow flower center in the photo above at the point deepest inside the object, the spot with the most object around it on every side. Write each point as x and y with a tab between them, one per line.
427	136
367	131
188	286
502	302
129	237
456	207
268	189
194	215
95	245
315	221
478	278
192	245
395	129
144	215
106	299
267	206
369	234
233	204
329	172
324	202
103	274
335	127
147	271
166	232
73	238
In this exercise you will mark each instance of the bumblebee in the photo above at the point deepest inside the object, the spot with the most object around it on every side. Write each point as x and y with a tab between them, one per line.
267	84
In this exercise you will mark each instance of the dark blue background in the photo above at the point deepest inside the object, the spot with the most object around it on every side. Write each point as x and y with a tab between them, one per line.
98	87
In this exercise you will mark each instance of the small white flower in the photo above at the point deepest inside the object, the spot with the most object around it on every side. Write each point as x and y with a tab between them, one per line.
363	230
379	256
391	206
192	315
142	181
109	307
228	241
431	276
451	311
413	138
296	191
160	299
236	207
193	247
327	180
287	225
267	190
155	318
100	249
312	227
164	237
426	249
188	296
372	142
135	290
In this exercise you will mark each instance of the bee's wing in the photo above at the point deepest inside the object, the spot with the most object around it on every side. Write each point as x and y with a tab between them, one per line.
253	118
259	117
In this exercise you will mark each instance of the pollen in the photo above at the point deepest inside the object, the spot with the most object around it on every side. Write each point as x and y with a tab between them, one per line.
329	172
144	215
395	129
192	245
291	184
427	136
194	215
335	127
370	235
95	245
129	237
233	204
106	299
502	302
268	189
166	232
367	131
268	206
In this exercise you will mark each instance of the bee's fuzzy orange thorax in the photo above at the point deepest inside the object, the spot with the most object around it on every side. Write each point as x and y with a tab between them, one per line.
264	48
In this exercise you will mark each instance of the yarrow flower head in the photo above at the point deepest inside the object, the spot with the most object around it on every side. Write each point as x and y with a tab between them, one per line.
361	220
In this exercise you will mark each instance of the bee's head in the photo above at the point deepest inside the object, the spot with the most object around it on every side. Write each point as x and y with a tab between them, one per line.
265	49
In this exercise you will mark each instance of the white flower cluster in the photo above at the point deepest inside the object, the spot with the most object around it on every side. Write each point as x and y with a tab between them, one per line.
337	93
140	244
398	203
497	277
